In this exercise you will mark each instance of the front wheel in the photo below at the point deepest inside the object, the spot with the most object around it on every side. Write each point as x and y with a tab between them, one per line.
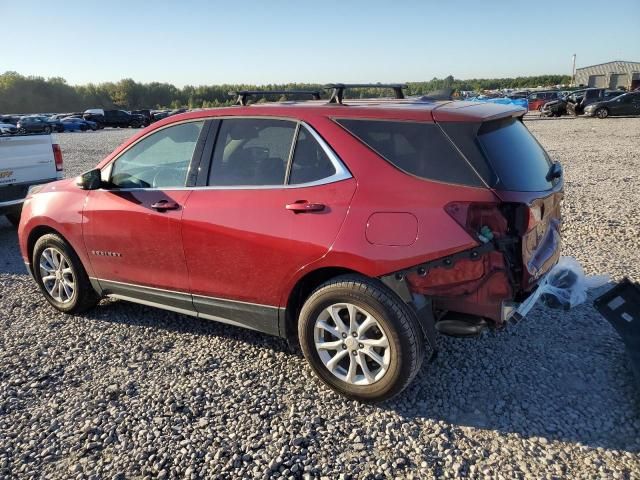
61	276
47	130
360	338
602	113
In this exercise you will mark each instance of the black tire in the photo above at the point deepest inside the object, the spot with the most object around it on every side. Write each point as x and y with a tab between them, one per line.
83	128
397	321
84	296
47	130
22	131
602	113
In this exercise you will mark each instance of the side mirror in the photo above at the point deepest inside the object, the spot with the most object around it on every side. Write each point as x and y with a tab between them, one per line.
90	180
555	171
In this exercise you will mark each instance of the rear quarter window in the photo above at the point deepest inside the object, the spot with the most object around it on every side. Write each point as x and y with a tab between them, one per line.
518	160
420	149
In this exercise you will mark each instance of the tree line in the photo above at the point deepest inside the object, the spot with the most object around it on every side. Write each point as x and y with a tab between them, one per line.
33	94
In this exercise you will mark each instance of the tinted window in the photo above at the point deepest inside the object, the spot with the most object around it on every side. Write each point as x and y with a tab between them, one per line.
518	160
420	149
251	152
310	162
160	160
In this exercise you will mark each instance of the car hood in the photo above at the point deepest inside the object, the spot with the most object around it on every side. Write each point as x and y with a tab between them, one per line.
58	186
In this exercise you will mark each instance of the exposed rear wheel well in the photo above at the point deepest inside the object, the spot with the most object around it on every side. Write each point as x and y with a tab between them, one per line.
301	292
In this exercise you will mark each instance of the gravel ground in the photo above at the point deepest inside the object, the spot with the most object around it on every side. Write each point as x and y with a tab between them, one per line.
128	391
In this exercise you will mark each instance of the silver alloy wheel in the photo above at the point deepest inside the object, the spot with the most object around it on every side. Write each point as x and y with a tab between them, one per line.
352	344
57	275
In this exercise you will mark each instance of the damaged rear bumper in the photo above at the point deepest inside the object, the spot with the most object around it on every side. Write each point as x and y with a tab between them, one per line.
487	281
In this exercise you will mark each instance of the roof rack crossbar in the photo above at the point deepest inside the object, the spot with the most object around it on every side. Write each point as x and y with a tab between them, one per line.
243	95
337	94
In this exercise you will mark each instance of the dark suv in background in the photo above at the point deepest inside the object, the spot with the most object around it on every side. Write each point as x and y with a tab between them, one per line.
114	118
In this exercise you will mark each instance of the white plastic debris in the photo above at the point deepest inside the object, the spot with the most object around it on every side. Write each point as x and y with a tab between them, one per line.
565	286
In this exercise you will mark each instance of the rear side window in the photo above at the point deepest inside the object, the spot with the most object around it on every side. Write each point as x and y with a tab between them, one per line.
517	159
310	162
251	152
420	149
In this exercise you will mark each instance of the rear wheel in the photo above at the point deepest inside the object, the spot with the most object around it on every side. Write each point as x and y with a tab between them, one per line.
360	338
602	113
47	129
61	276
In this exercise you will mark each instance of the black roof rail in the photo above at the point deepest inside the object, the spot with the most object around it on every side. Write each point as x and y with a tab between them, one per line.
243	95
338	89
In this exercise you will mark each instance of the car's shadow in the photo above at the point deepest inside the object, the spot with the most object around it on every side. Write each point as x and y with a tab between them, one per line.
10	259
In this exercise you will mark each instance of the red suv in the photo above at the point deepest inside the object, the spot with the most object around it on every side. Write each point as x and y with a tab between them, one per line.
360	230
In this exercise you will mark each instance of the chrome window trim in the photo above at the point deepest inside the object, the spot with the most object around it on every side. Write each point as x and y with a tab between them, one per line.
342	173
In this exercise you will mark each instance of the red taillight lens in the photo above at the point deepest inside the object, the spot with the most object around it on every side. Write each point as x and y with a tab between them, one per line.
478	219
57	156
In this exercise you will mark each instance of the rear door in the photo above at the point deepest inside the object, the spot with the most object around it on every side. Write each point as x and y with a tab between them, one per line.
273	198
132	226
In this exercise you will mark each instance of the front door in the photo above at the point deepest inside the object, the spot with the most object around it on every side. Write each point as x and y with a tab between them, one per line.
132	226
268	211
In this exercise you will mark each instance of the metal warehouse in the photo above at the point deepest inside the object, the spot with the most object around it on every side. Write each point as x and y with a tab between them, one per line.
613	75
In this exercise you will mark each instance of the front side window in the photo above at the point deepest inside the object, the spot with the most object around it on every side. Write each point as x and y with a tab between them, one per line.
251	152
310	162
160	160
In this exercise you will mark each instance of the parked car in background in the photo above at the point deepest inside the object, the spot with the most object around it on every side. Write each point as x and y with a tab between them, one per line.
538	99
159	114
12	119
8	129
145	114
113	118
25	161
35	125
72	124
355	230
625	104
579	101
558	107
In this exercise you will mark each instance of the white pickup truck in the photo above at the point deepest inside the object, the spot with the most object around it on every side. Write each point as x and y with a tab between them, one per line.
25	160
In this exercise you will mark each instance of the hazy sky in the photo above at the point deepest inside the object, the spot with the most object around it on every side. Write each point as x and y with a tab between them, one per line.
210	42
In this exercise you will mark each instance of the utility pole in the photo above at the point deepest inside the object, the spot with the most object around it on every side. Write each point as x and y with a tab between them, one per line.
573	71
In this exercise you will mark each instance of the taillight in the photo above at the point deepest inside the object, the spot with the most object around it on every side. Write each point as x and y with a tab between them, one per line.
57	156
483	221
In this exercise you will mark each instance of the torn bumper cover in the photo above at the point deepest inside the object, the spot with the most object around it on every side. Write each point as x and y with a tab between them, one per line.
487	281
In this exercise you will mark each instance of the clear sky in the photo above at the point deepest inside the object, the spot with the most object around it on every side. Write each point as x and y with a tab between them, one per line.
275	41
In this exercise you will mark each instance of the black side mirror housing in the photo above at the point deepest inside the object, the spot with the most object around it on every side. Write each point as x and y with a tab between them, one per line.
91	180
555	171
